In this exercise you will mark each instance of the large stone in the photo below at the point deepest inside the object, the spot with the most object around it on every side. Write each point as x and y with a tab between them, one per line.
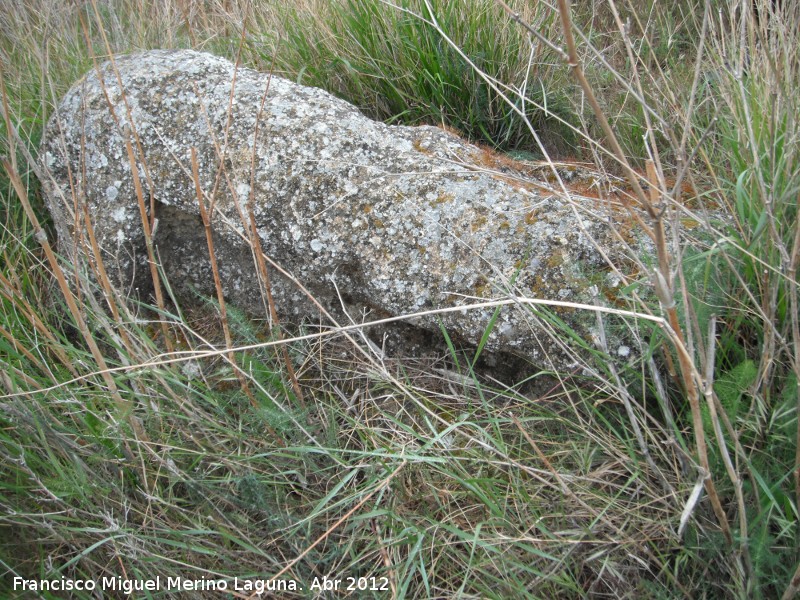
374	220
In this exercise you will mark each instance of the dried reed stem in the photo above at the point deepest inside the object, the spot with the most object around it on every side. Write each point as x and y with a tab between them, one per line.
255	244
221	297
123	406
663	277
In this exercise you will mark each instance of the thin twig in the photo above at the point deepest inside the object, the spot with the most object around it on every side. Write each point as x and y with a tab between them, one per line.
336	525
221	297
662	280
255	244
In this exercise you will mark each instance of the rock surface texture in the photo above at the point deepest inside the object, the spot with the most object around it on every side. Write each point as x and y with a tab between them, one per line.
373	220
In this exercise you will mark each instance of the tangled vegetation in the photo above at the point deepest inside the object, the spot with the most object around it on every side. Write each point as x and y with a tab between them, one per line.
139	442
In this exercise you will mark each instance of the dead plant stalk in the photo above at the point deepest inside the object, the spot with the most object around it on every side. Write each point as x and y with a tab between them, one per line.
220	296
123	406
662	276
255	244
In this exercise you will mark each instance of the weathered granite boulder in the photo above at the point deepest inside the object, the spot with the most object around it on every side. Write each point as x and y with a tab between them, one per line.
401	219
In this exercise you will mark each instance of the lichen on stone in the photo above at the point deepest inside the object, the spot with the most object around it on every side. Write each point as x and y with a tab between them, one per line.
394	219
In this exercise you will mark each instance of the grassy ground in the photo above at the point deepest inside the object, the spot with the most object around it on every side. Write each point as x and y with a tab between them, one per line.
676	477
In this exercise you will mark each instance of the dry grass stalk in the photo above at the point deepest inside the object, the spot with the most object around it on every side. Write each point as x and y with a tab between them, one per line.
128	131
221	297
255	245
386	481
248	220
663	276
123	406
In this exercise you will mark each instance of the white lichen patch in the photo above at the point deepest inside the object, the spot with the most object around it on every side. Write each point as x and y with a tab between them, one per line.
243	192
111	194
119	214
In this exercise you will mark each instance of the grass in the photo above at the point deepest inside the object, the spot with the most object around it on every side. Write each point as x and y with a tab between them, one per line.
396	66
431	476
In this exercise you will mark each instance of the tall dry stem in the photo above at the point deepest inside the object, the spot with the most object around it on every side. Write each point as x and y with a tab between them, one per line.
662	275
221	297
